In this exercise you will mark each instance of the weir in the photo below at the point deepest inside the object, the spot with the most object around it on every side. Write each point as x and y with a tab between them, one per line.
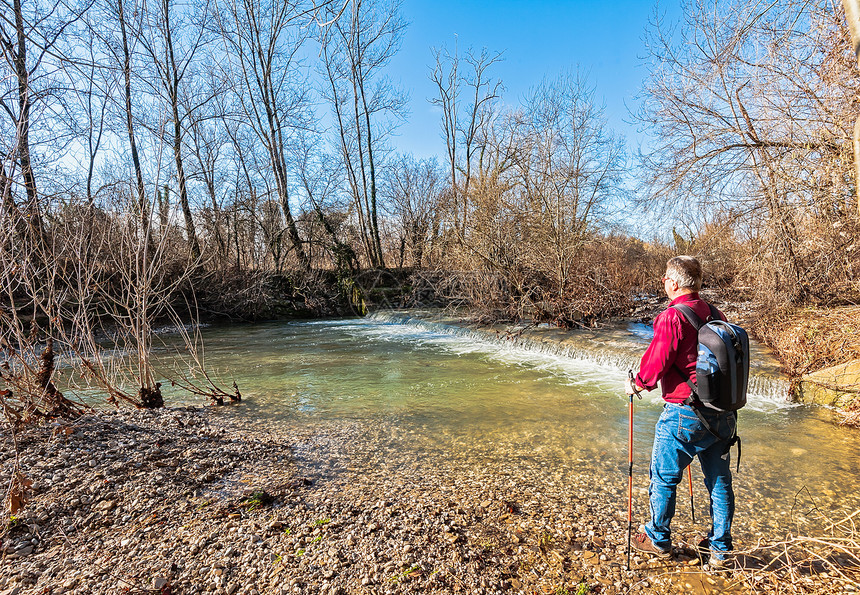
616	346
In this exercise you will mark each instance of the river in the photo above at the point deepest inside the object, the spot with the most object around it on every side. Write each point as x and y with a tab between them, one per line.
448	393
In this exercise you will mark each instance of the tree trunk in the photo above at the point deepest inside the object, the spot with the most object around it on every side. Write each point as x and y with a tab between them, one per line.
142	206
372	215
172	80
31	211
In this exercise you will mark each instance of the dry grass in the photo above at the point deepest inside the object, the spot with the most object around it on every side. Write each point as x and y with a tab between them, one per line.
810	339
829	563
793	566
851	415
796	565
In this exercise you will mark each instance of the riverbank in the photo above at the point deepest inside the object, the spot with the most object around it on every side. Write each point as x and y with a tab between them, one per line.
181	501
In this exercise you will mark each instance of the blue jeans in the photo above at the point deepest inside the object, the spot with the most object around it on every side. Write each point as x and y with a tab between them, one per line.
679	437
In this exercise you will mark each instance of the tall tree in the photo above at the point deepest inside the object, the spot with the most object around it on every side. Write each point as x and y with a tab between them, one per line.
415	193
262	39
31	32
751	108
356	46
207	139
123	56
321	178
173	40
568	168
466	94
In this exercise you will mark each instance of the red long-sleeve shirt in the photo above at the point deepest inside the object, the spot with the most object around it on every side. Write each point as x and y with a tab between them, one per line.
674	342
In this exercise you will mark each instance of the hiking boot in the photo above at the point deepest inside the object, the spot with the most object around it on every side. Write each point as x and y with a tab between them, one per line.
720	560
643	543
715	559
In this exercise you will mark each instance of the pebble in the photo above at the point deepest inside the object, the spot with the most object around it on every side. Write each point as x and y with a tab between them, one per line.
349	509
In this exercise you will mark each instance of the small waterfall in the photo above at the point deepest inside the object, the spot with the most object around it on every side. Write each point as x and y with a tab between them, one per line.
617	348
768	388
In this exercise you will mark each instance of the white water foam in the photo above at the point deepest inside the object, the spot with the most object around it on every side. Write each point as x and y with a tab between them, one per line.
601	367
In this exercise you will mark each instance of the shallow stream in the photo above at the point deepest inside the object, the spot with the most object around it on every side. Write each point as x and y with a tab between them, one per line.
446	393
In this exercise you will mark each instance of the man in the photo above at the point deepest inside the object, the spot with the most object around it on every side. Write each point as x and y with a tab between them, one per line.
680	435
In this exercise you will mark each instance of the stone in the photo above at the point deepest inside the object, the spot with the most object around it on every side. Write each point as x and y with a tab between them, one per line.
189	529
835	386
105	506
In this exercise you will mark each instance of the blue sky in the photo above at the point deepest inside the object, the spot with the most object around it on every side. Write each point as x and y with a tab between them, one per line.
538	38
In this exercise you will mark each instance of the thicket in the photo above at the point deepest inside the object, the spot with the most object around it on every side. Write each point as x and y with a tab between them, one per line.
166	162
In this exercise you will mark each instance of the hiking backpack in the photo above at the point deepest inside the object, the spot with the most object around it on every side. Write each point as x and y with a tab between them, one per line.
722	370
722	364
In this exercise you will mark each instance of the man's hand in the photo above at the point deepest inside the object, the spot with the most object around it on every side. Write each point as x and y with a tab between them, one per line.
631	387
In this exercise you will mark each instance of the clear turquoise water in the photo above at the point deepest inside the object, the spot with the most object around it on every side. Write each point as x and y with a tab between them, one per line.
456	396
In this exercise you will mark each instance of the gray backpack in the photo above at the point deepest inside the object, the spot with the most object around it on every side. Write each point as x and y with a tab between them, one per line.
722	370
723	362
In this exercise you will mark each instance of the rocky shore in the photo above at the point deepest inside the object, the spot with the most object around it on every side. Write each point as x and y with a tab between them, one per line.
188	500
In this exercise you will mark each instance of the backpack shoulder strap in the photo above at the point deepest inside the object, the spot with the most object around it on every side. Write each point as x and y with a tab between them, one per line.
691	317
715	314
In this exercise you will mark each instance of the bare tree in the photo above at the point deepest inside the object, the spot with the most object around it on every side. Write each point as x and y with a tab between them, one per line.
415	193
568	169
173	40
356	46
466	97
249	172
321	177
262	40
30	32
852	16
122	54
208	142
750	112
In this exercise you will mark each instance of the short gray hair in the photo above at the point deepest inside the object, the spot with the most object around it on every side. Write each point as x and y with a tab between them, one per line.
685	271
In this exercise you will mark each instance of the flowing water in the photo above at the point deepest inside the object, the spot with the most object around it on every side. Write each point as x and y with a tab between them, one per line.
451	393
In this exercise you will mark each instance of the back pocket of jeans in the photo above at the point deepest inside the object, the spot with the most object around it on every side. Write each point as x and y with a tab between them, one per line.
690	429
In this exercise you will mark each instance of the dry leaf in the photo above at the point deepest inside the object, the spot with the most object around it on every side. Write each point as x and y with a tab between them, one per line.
16	502
18	492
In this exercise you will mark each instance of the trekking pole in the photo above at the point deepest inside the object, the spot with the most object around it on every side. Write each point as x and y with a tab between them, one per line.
630	464
690	477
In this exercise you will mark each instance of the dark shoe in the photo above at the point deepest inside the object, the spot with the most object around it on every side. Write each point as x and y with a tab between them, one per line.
715	559
643	543
704	549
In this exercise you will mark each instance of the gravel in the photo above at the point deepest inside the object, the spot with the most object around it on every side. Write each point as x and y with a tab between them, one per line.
187	500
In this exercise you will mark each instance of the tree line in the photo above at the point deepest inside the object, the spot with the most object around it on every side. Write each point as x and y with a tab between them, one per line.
156	157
